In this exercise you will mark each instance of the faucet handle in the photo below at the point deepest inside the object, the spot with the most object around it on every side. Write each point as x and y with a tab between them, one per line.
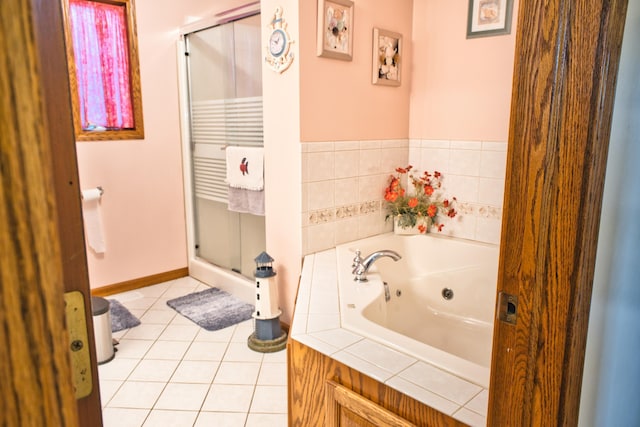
357	260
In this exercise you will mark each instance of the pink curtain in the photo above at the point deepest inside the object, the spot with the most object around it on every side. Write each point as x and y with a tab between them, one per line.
101	50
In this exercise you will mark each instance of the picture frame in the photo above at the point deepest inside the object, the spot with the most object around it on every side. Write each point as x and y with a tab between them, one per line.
387	58
489	18
335	29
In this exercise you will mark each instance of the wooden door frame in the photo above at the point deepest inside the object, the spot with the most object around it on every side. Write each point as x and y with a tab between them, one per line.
567	56
42	242
566	64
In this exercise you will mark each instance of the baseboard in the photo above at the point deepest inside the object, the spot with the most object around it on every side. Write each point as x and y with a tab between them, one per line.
141	282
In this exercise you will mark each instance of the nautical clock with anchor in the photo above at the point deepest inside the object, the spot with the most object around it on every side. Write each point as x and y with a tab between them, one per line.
279	57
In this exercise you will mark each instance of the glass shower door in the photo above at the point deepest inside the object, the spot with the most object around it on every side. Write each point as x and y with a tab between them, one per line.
225	90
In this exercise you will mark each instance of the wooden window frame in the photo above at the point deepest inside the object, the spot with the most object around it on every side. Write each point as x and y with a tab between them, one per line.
136	92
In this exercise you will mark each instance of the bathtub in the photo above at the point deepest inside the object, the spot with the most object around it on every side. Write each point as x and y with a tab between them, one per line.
442	298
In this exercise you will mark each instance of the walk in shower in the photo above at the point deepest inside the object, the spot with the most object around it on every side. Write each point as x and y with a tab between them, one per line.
221	103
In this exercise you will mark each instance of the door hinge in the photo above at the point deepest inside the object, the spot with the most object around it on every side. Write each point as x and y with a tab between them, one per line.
78	343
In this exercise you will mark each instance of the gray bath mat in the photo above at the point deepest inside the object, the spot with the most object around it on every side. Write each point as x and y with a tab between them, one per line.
212	309
121	318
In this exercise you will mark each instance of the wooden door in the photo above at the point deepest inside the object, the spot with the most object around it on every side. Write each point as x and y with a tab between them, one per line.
42	243
567	55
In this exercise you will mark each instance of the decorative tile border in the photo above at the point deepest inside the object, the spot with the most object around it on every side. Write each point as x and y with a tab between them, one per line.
482	211
342	212
375	206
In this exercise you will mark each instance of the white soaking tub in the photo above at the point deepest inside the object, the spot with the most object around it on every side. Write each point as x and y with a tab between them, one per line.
442	299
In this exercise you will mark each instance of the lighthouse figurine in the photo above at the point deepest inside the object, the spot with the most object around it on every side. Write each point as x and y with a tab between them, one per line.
268	336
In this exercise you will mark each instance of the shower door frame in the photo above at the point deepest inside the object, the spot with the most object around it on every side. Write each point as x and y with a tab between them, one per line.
199	268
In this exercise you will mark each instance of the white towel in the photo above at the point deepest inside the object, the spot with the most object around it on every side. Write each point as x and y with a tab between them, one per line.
246	201
245	167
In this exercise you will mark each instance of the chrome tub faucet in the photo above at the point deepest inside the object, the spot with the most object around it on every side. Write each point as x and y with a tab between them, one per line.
361	266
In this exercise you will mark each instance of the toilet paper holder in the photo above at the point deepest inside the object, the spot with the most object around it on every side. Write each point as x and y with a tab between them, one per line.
99	188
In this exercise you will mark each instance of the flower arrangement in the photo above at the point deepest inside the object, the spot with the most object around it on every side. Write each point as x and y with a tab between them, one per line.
423	206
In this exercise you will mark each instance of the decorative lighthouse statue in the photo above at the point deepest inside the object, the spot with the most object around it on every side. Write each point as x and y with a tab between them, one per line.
268	336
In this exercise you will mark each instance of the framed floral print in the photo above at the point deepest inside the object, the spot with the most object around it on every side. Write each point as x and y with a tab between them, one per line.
335	29
489	18
387	57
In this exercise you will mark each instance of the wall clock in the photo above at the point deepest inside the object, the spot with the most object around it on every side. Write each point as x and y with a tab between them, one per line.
279	56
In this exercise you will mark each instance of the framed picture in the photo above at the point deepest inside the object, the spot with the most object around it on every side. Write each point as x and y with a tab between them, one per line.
335	29
489	18
387	57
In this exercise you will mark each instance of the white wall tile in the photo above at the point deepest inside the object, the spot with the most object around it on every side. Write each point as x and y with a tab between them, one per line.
464	162
321	237
391	158
370	225
305	198
488	230
321	166
371	187
466	145
432	159
491	191
304	161
346	145
493	164
369	162
346	191
346	230
415	155
315	147
373	144
464	188
494	146
347	163
394	143
320	195
462	226
436	143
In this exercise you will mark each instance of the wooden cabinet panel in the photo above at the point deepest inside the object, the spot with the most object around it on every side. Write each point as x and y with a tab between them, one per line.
347	408
309	372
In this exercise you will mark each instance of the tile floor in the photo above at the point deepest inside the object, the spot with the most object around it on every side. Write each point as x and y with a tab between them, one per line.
170	372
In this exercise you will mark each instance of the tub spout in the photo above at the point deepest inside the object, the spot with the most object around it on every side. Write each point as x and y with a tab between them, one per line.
360	269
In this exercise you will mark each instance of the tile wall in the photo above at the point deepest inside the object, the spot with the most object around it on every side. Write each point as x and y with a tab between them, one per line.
474	173
343	185
342	190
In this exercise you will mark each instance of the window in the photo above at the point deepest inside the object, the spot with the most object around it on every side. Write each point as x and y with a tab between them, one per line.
103	66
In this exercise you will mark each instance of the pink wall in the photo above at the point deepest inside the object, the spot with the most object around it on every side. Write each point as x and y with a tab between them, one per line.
143	207
461	88
281	97
337	99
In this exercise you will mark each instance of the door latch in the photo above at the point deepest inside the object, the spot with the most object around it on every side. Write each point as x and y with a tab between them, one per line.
507	308
78	343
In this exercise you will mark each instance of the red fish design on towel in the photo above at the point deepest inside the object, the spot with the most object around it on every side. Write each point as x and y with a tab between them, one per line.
244	166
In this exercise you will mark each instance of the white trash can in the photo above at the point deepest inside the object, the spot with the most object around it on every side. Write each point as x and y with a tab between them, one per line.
102	329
